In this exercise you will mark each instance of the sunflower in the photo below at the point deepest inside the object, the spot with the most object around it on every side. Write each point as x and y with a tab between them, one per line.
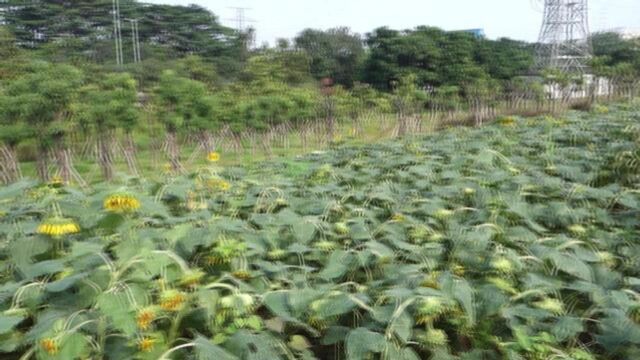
233	306
225	251
50	346
276	254
634	313
429	309
213	156
192	278
145	317
318	323
146	344
56	181
121	203
57	227
242	275
502	265
172	300
325	245
442	214
508	121
551	305
434	338
218	184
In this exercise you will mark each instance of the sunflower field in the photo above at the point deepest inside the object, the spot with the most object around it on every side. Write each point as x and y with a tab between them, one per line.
516	240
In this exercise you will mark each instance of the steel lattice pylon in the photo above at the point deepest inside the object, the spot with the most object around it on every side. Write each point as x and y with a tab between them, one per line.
564	37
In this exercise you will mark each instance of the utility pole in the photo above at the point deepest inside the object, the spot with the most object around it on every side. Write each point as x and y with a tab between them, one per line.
135	40
117	32
564	37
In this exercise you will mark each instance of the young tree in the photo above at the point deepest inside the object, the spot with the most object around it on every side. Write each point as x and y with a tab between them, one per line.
41	99
12	133
197	68
408	100
285	65
105	106
183	104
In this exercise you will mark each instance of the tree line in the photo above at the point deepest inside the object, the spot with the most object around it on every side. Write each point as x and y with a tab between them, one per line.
59	81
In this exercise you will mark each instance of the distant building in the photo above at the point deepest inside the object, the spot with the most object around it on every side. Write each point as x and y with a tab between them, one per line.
479	33
626	33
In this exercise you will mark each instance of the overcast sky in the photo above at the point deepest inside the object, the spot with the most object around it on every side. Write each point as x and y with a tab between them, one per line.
517	19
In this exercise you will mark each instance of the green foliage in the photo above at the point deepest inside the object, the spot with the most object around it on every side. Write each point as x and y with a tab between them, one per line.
41	99
109	103
282	66
407	97
439	58
85	27
335	53
614	56
183	103
517	240
504	59
198	68
265	111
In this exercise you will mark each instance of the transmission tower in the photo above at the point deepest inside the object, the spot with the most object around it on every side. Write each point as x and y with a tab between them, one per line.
564	37
241	21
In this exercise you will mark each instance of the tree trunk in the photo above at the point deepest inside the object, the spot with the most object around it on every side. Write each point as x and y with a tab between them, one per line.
206	141
64	162
13	172
42	163
130	154
402	124
173	151
330	118
104	154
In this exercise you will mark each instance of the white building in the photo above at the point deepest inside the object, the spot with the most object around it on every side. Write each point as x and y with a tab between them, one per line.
627	33
591	85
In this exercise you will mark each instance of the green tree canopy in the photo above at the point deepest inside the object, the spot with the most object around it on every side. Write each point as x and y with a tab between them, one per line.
337	53
438	58
615	56
183	103
42	97
83	25
110	103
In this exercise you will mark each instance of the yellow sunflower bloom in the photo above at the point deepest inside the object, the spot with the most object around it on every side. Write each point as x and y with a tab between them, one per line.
50	346
213	156
121	203
58	227
146	344
218	184
145	317
56	181
172	300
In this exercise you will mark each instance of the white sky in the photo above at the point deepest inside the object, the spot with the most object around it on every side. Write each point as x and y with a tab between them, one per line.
517	19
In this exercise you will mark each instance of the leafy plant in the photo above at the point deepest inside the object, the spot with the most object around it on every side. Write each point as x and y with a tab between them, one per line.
510	241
